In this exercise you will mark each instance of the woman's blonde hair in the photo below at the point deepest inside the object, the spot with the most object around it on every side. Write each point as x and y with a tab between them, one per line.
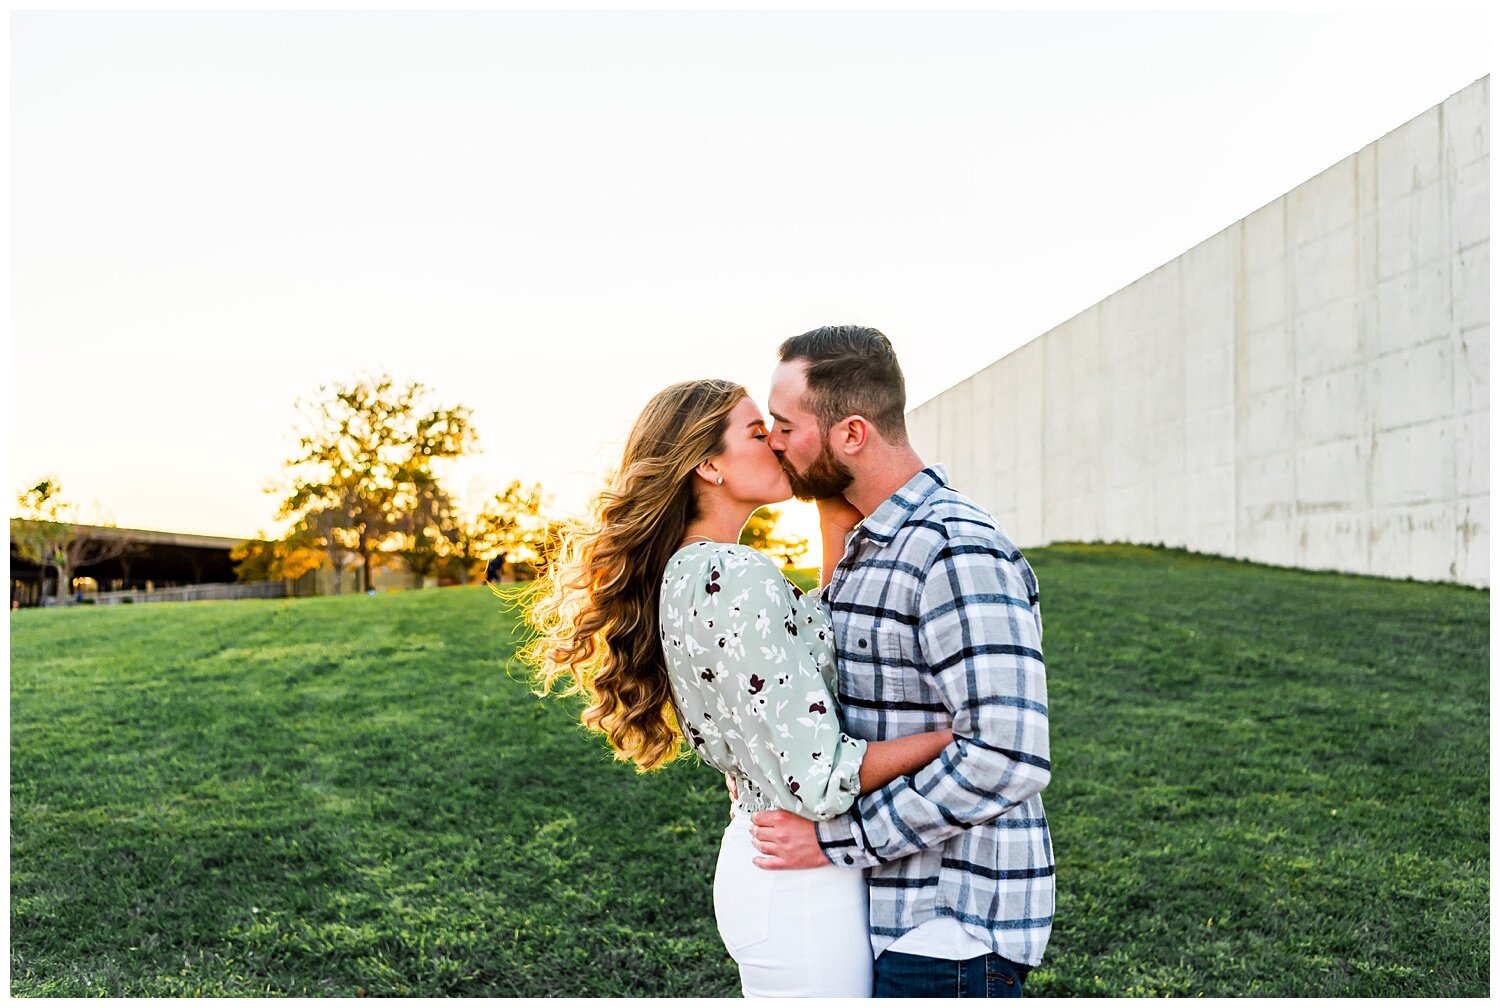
594	610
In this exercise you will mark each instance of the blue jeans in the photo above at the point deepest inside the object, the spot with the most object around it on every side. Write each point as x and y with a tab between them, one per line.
900	974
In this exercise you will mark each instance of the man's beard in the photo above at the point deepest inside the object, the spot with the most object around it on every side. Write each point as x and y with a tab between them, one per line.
826	477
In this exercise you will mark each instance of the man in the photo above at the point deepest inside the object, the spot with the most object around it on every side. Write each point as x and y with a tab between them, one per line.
494	571
937	626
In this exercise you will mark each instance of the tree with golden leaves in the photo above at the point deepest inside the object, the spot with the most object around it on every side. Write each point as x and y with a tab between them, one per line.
284	559
365	449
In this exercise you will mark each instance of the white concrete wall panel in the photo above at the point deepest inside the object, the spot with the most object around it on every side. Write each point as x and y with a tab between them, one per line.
1309	387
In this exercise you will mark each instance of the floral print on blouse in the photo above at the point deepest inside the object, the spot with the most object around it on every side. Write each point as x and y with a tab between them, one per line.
752	671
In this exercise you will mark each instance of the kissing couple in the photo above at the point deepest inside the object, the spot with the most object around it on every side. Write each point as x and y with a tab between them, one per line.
884	738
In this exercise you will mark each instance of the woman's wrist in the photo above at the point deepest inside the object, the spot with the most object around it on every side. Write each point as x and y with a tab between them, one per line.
837	512
837	532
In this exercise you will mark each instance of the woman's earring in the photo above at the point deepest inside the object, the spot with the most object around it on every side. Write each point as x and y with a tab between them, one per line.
720	481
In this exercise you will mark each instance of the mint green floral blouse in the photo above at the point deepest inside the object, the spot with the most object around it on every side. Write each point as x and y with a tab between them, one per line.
752	670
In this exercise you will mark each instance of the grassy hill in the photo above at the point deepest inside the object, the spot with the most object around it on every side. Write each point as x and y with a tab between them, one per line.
1266	782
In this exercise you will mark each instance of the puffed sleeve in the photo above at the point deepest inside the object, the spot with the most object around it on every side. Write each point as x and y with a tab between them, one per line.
759	674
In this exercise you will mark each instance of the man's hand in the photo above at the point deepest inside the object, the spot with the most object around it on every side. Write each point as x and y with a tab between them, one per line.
785	841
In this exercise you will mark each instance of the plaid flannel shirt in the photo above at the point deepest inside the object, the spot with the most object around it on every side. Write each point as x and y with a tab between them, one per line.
937	625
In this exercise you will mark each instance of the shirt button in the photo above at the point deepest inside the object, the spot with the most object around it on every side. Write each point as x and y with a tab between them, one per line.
863	643
848	859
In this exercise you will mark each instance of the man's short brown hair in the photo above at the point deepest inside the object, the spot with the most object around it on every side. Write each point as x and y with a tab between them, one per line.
852	370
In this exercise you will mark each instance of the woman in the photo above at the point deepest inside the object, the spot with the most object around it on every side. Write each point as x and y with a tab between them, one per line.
668	626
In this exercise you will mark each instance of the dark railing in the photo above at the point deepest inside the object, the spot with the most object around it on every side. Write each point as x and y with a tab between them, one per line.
182	593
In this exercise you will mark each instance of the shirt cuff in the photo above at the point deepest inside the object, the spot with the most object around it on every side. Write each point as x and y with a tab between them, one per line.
842	841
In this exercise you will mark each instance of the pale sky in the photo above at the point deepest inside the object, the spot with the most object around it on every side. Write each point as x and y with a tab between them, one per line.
550	216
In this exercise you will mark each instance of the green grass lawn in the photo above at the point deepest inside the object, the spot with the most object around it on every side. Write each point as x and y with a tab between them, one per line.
1266	782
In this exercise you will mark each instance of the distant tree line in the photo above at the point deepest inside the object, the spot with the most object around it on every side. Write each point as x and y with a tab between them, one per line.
364	489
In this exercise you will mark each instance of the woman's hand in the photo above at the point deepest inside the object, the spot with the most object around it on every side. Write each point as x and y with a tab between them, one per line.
836	512
836	516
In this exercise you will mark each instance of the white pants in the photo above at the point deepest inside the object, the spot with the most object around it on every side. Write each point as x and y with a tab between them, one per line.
794	933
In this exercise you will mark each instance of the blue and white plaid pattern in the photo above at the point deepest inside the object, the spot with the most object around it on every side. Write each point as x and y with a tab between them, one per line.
937	625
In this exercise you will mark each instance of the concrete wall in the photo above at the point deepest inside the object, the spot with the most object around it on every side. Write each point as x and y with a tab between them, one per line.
1308	387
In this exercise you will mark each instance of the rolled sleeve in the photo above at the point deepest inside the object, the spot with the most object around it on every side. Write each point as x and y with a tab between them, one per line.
843	841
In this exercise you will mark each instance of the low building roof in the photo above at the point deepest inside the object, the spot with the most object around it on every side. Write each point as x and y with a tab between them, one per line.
156	538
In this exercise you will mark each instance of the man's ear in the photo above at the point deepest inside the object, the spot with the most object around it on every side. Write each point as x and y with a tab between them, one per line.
851	435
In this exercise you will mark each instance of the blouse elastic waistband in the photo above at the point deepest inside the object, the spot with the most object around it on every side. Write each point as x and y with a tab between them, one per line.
750	804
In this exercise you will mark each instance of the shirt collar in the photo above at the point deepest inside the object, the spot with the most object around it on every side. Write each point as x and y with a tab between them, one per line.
885	521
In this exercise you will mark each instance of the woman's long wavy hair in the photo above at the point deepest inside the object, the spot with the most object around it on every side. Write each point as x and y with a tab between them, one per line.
594	611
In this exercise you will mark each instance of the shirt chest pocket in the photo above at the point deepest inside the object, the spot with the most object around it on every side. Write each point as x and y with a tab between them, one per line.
893	662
